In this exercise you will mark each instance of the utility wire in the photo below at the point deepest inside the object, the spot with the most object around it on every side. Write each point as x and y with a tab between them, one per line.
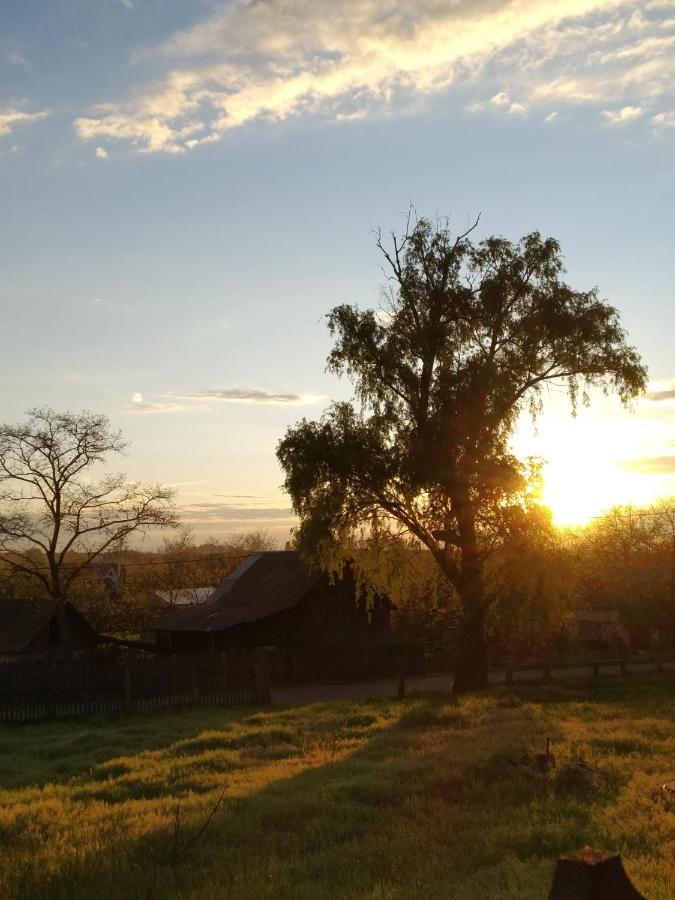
154	562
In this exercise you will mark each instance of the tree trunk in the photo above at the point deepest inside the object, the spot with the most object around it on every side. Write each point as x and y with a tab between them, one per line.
471	673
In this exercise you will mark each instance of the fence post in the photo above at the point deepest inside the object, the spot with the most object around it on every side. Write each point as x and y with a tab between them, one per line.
50	686
508	674
622	666
223	677
400	687
194	683
262	681
547	672
659	664
127	682
86	681
596	670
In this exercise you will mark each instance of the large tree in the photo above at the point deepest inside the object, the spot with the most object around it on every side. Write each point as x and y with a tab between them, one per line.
466	338
56	517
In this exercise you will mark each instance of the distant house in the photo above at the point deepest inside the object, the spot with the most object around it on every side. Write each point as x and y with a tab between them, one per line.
273	600
110	574
598	628
33	627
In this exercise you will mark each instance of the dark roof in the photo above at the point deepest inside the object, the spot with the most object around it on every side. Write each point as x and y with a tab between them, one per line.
264	584
20	620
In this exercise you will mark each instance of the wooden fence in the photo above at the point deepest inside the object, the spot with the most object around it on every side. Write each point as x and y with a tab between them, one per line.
112	679
623	665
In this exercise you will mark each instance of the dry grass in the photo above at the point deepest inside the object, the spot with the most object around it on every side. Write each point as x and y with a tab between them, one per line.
430	797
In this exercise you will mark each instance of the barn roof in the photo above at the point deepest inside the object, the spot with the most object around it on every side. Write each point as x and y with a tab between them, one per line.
264	584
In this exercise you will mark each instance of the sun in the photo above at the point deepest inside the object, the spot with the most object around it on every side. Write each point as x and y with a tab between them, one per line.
580	485
591	463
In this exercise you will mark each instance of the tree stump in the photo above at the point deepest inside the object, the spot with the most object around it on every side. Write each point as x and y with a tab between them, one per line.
590	874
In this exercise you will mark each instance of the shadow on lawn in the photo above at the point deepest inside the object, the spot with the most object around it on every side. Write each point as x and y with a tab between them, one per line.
41	753
384	813
439	800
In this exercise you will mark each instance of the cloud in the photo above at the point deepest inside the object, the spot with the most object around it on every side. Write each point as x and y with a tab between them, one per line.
275	59
247	395
651	465
660	391
11	118
625	114
101	153
500	99
213	513
194	400
12	56
664	120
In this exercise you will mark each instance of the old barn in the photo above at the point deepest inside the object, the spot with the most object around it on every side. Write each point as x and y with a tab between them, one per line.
34	627
273	600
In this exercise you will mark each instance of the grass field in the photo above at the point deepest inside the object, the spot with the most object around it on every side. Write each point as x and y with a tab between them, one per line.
430	797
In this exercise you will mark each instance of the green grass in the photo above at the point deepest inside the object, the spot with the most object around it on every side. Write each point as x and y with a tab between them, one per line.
431	797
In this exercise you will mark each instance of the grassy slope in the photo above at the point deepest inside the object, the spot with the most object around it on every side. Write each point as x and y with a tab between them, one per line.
425	798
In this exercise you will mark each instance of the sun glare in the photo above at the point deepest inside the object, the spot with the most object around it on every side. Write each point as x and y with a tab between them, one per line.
576	490
589	463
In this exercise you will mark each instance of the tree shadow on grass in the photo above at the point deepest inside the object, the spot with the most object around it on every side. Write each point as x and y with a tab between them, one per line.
356	823
53	752
439	800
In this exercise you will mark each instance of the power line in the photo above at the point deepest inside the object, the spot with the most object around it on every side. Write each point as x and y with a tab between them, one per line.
180	562
153	562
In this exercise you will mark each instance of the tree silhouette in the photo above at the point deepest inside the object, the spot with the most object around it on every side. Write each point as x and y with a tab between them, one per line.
55	519
466	338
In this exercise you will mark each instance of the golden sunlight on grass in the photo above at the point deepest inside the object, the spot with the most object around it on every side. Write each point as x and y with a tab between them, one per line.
432	797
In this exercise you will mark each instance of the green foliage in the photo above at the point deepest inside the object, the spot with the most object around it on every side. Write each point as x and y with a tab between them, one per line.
467	339
625	560
336	799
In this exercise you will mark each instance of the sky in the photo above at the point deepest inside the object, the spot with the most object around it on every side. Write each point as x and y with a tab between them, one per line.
188	188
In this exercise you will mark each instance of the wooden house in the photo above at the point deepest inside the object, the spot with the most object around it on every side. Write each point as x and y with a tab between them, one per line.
273	600
34	627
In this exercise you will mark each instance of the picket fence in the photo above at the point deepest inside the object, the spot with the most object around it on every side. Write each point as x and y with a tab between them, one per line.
111	680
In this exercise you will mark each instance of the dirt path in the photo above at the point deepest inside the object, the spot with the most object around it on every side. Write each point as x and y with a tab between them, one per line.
301	694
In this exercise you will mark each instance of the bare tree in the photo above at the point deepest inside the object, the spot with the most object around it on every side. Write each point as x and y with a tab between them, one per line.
55	518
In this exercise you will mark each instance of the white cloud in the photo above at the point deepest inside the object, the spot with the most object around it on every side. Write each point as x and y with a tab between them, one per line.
11	118
551	117
101	153
12	56
273	59
500	99
238	394
664	120
198	400
625	114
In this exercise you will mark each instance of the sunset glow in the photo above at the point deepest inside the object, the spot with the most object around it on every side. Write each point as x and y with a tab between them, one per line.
604	456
